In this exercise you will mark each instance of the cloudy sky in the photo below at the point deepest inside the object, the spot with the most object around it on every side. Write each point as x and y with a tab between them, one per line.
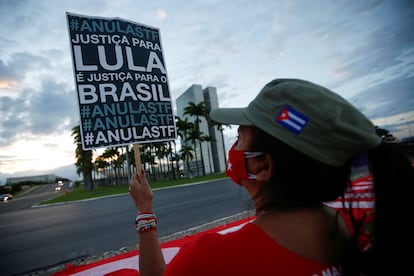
364	50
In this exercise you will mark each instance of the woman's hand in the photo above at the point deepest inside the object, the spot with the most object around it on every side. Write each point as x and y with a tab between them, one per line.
151	259
141	192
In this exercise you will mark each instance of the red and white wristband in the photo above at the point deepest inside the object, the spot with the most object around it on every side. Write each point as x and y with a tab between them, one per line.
145	222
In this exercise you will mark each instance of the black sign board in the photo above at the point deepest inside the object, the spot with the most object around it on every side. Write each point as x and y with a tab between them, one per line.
121	82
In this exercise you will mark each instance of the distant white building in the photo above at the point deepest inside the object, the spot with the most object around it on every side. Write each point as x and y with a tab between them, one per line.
46	178
214	158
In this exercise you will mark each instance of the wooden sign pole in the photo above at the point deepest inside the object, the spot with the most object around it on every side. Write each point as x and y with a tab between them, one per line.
137	156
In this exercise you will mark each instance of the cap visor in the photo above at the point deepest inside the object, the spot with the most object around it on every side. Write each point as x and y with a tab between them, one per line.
231	116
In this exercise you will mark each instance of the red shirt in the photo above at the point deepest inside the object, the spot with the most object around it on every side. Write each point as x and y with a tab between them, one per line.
247	251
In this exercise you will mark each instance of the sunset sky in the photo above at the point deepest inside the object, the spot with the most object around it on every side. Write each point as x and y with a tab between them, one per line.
364	50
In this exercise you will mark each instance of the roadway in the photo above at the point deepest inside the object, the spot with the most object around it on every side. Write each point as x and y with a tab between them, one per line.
33	238
31	198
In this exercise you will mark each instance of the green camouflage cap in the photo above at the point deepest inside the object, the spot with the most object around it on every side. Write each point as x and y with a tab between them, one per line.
308	117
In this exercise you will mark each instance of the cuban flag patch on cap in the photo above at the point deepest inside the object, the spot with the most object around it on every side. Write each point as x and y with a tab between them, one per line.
292	119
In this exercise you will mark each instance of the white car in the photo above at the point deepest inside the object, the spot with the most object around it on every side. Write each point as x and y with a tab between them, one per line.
6	197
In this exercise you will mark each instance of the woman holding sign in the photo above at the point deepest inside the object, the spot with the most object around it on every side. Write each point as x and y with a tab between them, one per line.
296	144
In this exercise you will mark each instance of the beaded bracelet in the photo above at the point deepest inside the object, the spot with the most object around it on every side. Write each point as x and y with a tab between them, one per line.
145	222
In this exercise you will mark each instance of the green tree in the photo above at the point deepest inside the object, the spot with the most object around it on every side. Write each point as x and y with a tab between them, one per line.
111	155
145	153
193	136
198	111
186	153
385	134
220	127
102	167
184	127
175	158
83	163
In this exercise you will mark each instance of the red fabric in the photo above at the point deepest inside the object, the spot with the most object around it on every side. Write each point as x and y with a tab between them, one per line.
124	272
358	203
71	269
359	198
248	251
226	255
236	165
114	266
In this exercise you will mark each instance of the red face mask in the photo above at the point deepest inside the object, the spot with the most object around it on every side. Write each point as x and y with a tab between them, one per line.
236	165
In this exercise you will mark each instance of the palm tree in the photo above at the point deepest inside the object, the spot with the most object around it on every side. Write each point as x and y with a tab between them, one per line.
101	166
174	158
198	110
161	152
112	154
145	153
220	127
83	163
193	136
131	157
187	155
119	169
184	127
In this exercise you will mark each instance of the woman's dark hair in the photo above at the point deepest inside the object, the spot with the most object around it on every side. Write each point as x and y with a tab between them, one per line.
393	175
302	181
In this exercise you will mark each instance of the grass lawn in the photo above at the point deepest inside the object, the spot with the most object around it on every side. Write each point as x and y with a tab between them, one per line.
79	193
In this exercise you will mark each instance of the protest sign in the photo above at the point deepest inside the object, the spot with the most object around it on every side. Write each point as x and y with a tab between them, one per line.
121	82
